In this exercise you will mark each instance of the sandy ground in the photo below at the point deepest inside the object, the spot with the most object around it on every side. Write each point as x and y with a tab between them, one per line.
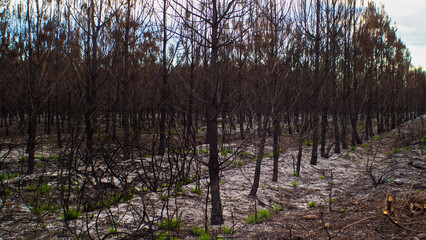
357	204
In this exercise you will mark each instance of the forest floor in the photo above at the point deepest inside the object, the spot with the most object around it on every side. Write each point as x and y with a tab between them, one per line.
299	207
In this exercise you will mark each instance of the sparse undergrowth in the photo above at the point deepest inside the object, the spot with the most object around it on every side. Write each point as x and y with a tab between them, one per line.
260	216
297	199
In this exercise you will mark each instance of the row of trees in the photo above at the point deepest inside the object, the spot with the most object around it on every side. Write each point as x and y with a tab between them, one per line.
170	67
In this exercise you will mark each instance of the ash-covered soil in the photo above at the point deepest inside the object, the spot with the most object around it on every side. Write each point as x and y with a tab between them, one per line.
395	160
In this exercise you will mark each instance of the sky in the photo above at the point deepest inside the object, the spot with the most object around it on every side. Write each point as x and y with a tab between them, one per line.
410	18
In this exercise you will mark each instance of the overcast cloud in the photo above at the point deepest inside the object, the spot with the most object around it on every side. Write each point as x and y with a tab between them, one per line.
410	19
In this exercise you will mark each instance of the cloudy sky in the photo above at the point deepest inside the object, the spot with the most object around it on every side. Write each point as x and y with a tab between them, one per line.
410	18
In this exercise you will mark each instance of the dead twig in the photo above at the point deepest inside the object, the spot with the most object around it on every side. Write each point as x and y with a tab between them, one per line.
359	221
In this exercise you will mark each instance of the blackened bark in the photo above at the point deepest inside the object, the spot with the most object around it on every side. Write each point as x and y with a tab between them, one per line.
315	137
164	90
212	111
296	122
393	120
32	129
289	124
259	123
336	133
387	122
126	113
356	139
344	130
47	119
51	119
264	129
241	123
369	123
324	125
33	95
190	134
108	119
250	120
299	154
91	83
21	113
213	165
6	125
315	114
58	130
163	112
276	147
89	134
256	179
126	82
223	124
379	118
333	46
69	122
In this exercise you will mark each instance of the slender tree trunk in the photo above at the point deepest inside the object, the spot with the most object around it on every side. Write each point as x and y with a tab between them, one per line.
344	131
276	147
259	123
368	122
299	154
393	120
223	124
32	129
336	132
289	124
51	118
241	123
108	119
315	114
190	134
264	129
126	128
387	122
356	139
315	138
164	90
126	82
6	125
256	179
296	122
379	123
33	95
21	113
212	111
69	121
333	46
324	125
58	130
91	83
47	120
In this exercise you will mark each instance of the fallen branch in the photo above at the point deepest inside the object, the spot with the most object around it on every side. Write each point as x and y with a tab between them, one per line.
399	225
359	221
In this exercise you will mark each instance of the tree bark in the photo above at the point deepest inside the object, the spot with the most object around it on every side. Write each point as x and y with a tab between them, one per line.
164	90
212	111
344	131
58	130
315	114
126	82
264	129
336	133
299	154
324	125
276	147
